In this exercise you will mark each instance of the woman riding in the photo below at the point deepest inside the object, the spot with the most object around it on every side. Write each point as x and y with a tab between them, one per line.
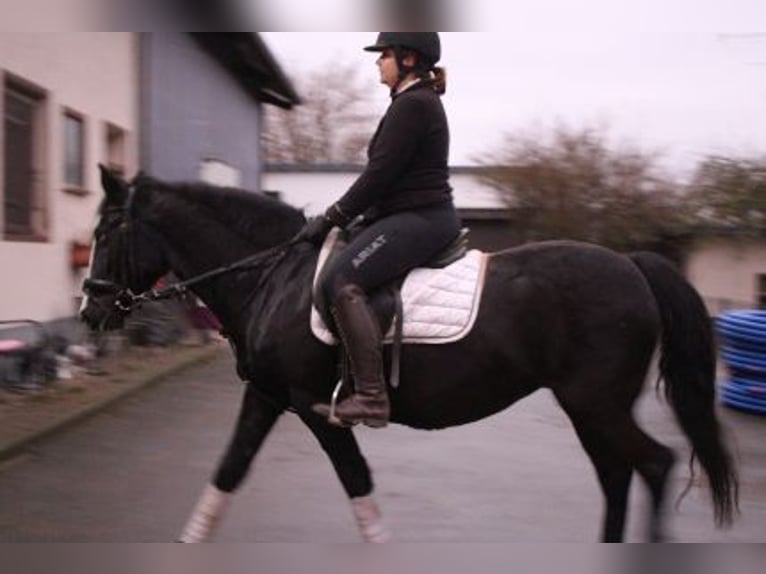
405	200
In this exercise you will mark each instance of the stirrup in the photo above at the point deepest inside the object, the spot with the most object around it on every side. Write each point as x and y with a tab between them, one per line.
331	418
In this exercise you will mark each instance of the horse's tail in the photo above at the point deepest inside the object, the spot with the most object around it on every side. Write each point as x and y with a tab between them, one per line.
687	365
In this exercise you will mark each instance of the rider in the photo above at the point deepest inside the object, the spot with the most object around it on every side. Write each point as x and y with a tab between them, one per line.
405	199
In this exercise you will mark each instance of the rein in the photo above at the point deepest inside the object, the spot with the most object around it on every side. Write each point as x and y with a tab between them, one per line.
125	300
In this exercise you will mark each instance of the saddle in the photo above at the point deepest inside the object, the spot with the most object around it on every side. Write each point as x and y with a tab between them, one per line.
386	302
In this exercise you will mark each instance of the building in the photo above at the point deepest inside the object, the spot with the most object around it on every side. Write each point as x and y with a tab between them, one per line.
314	187
729	272
201	96
69	102
178	105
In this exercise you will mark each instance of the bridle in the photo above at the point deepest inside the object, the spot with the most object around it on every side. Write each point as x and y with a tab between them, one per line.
123	296
125	300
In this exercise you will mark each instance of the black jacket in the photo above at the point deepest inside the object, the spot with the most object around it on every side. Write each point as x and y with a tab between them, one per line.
407	158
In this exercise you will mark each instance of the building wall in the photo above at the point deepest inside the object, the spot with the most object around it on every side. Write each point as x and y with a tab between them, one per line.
95	75
726	272
488	234
195	113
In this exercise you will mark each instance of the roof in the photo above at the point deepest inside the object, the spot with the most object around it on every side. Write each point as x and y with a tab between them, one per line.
245	56
313	168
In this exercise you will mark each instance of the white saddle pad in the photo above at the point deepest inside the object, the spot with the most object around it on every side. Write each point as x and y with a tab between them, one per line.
439	305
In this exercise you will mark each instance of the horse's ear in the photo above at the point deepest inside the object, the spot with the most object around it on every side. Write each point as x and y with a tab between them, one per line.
114	186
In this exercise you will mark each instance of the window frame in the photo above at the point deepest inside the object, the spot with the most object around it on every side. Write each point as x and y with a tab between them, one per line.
37	230
81	187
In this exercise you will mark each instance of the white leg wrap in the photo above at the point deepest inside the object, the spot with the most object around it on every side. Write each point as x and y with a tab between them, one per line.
206	515
369	520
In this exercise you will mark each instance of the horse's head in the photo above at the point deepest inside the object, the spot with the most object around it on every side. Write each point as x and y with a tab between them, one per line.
125	259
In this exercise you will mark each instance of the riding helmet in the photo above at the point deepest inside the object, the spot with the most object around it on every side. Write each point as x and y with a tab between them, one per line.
427	44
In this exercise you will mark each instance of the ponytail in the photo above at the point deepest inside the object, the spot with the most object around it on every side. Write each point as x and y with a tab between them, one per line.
439	80
424	69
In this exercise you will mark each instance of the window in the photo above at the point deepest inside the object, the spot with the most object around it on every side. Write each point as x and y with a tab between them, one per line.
24	206
74	151
762	291
116	149
217	172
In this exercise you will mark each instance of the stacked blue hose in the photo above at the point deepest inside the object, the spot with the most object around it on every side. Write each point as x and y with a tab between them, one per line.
743	334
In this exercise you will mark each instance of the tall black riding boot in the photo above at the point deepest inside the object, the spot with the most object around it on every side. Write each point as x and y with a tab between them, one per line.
363	341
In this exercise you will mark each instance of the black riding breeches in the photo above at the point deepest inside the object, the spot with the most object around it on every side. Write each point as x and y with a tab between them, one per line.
390	247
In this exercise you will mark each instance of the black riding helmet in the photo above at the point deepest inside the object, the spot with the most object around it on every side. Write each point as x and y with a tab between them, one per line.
426	44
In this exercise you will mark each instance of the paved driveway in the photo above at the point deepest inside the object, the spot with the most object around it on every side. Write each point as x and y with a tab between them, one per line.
133	473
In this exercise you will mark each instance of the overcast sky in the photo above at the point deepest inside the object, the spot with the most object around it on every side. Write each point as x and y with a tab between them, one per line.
683	77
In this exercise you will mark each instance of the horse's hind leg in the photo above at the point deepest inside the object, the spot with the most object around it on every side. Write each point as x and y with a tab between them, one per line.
256	418
652	460
614	475
354	473
609	427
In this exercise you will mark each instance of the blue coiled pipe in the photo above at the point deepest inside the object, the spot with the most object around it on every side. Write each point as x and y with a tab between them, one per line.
743	350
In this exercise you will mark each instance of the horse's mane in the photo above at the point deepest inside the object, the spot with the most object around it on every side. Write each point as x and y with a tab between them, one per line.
248	214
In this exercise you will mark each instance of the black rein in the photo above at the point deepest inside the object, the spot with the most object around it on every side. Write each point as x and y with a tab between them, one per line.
125	300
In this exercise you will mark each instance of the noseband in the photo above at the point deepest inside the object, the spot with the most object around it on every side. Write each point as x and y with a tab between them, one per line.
124	299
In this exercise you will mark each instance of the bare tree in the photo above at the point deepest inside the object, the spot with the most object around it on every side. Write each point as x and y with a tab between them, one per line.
572	185
333	125
730	194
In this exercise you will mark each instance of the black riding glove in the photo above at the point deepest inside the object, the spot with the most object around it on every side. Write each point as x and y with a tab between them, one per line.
317	228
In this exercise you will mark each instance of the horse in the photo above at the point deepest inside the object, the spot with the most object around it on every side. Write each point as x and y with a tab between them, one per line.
575	318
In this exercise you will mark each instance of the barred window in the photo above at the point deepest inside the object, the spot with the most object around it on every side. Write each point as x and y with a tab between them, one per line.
24	213
74	151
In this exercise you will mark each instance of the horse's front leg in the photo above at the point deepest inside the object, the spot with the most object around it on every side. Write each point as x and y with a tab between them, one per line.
354	473
256	419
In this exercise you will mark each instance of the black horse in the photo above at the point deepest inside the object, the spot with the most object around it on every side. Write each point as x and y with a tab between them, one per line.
578	319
